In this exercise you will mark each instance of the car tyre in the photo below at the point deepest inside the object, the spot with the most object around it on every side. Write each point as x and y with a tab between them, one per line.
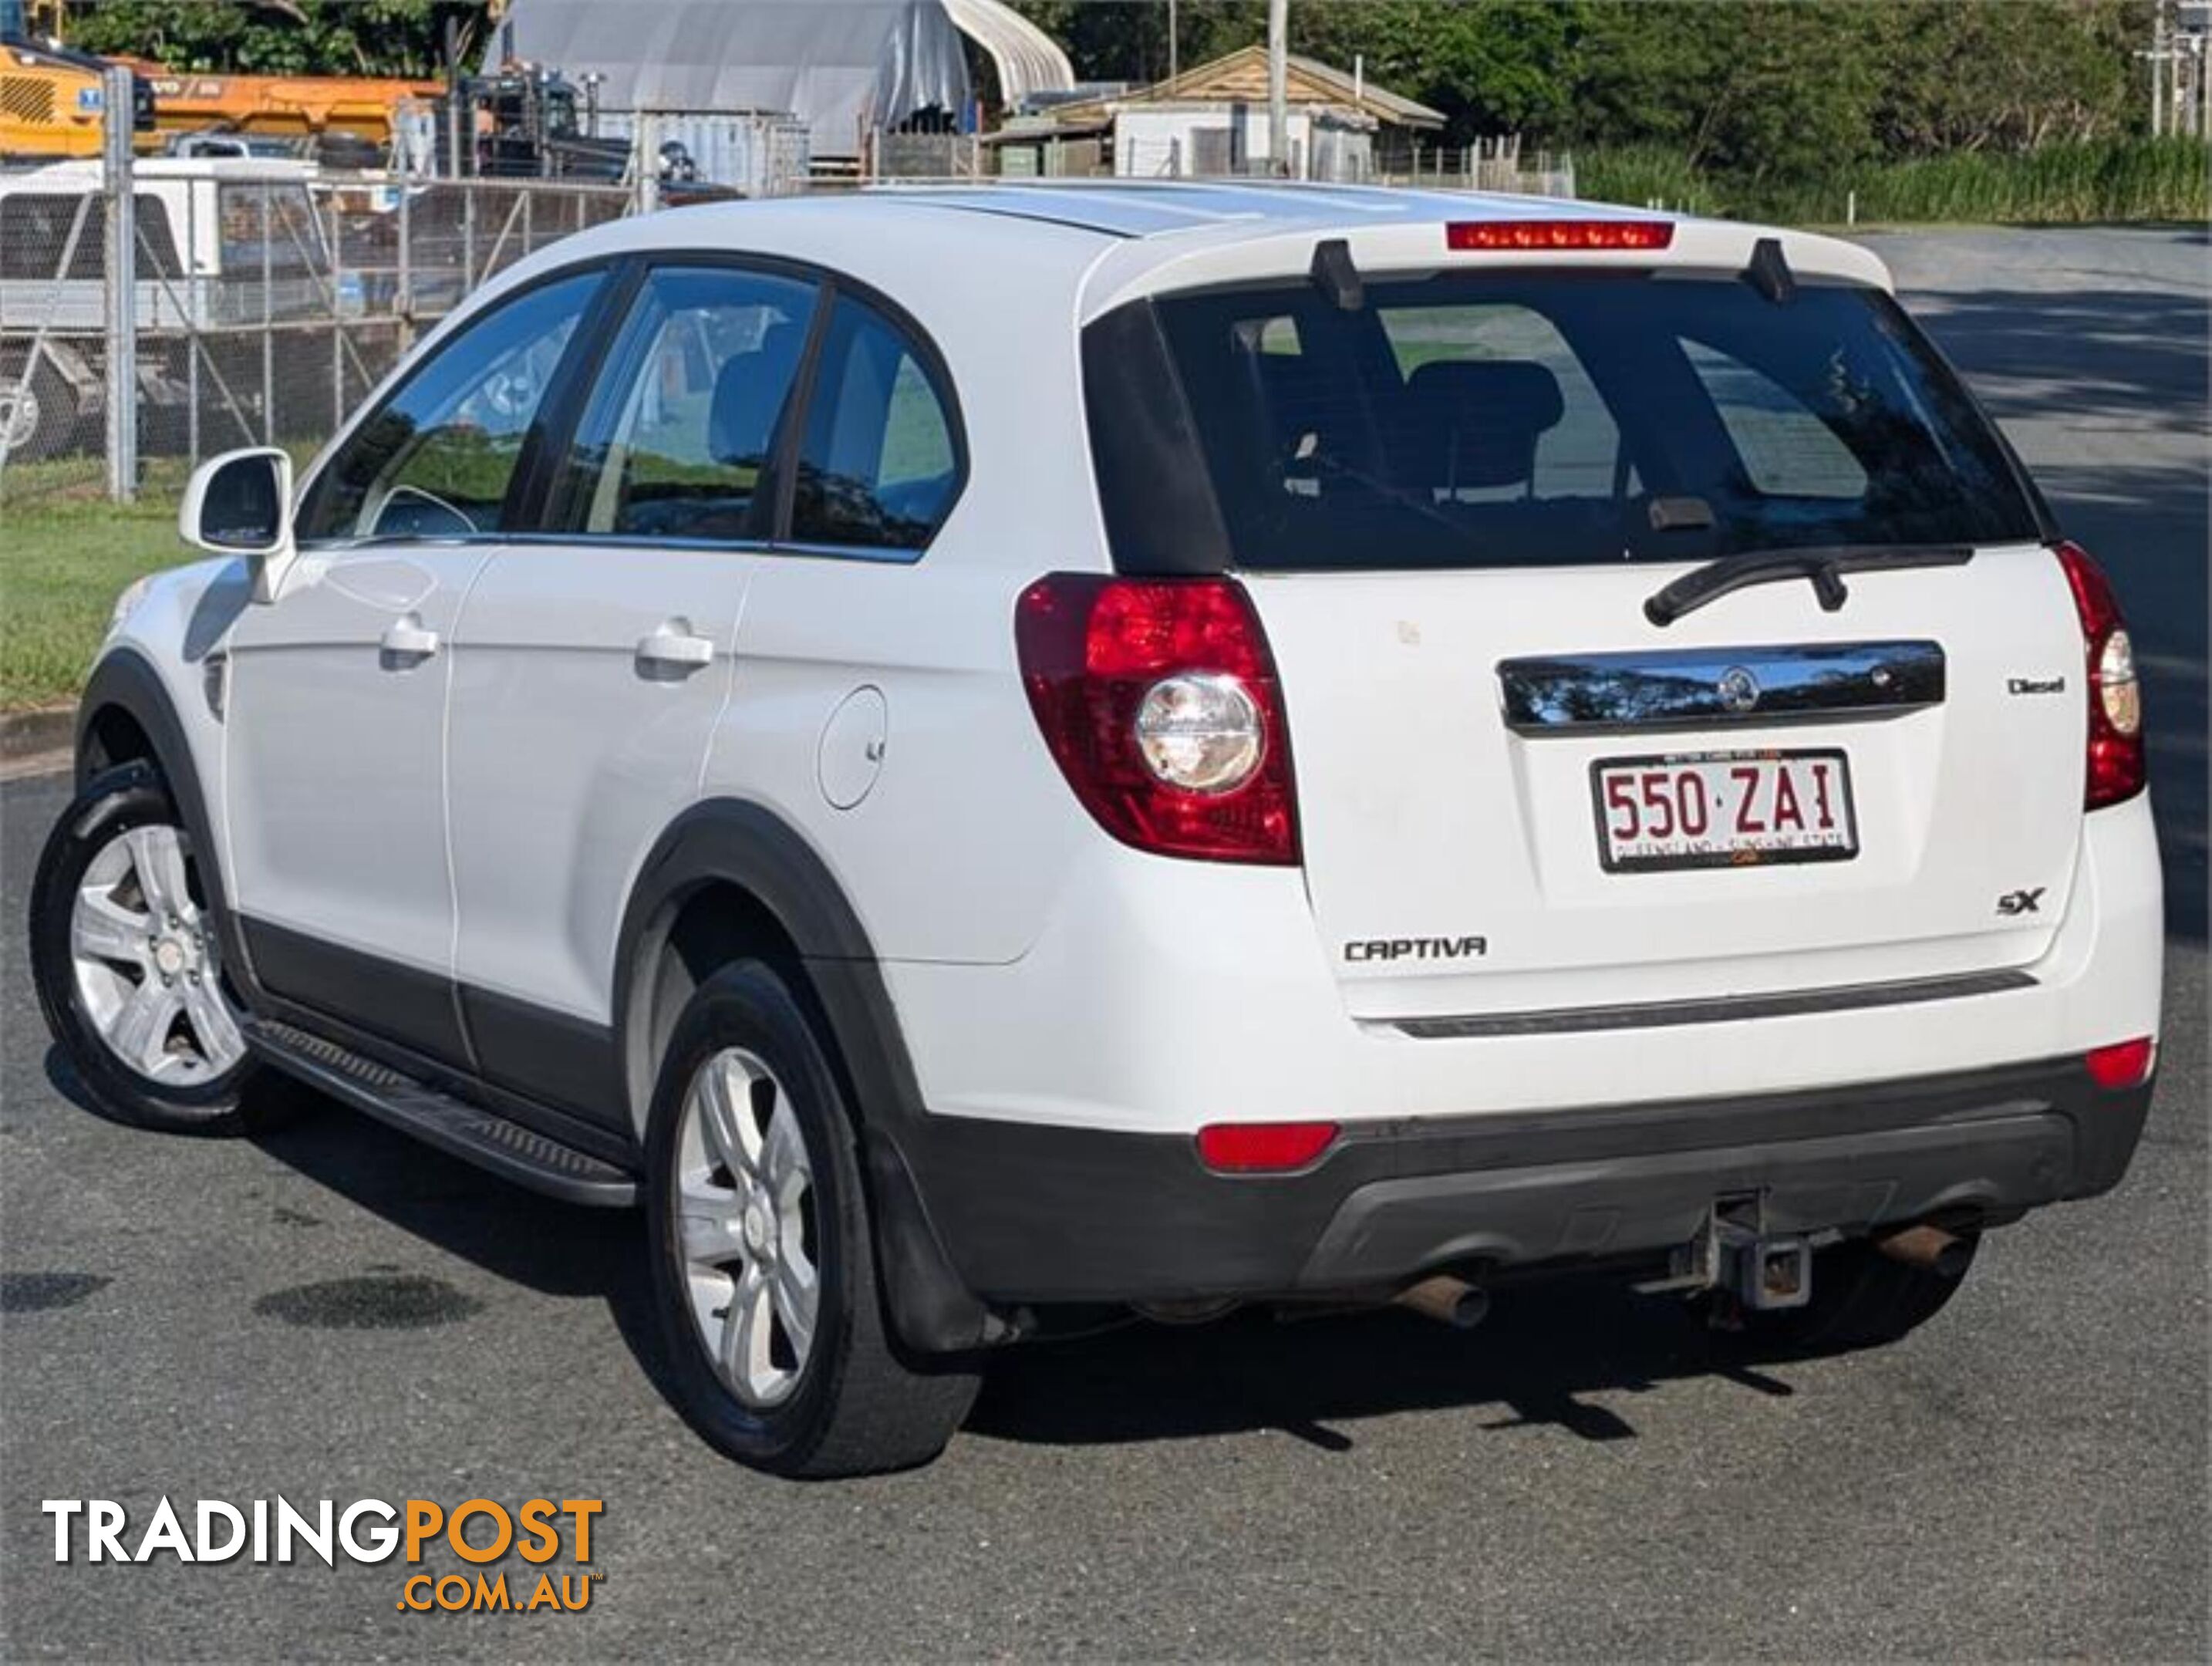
38	414
126	957
1861	1299
763	1260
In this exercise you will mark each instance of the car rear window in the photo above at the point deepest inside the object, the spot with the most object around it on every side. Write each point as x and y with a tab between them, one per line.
1536	418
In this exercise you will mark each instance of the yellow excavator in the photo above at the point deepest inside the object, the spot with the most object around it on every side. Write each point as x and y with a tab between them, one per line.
51	98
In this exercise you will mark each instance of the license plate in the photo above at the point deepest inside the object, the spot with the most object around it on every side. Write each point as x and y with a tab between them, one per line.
1681	810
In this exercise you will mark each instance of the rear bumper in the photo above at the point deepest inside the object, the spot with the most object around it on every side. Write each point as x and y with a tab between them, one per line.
1033	1213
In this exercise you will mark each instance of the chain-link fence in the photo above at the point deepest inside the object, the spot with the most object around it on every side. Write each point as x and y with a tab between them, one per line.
215	302
1499	163
262	301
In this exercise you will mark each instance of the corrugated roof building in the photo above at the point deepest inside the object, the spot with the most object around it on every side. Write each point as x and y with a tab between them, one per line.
845	67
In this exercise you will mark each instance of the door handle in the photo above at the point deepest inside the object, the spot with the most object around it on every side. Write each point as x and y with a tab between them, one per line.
673	646
407	638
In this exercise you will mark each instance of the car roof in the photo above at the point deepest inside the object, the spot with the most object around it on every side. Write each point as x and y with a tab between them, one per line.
1150	235
1076	249
1135	208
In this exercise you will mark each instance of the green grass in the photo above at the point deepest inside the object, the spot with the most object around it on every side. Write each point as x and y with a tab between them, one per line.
63	561
2105	181
1639	174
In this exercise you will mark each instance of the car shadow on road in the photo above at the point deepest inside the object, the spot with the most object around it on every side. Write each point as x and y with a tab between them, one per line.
555	1248
1540	1359
1559	1355
1537	1360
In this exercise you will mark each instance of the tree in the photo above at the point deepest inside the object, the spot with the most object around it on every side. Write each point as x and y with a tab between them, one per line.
278	37
1757	89
1491	66
1752	90
1128	40
1974	74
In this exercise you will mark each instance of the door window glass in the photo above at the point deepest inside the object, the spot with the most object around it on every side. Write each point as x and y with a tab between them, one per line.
878	468
437	459
677	436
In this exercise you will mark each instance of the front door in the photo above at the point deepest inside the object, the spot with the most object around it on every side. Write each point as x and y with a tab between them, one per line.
336	704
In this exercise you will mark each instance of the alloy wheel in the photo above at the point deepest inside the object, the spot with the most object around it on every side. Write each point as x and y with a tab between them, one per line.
746	1225
146	962
19	414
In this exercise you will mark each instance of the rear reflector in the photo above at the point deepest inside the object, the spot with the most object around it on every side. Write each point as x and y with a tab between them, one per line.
1263	1147
2124	1064
1475	235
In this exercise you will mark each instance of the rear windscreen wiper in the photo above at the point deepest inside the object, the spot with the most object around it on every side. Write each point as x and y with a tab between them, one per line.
1825	567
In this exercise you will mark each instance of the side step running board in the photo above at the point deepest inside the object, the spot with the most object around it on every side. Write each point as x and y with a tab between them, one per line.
463	1130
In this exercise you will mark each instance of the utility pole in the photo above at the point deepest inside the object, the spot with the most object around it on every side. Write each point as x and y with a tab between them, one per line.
1175	58
2179	90
1279	87
122	284
2158	70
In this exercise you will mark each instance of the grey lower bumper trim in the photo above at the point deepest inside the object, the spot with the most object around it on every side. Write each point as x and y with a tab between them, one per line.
1724	1009
1619	1206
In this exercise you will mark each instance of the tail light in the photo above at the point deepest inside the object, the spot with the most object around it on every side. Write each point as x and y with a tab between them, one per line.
2123	1064
2117	770
1159	701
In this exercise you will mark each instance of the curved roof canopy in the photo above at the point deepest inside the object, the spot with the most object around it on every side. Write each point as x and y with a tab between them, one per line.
841	66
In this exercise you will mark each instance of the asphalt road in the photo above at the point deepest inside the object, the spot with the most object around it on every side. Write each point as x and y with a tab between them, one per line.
334	1313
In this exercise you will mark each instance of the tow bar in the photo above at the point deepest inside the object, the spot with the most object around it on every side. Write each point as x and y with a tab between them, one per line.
1764	1273
1736	1254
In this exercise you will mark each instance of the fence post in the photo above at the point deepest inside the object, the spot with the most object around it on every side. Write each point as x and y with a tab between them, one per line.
121	275
337	315
268	329
195	316
469	234
646	158
402	300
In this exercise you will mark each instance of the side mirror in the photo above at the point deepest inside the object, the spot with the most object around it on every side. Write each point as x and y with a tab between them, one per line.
240	504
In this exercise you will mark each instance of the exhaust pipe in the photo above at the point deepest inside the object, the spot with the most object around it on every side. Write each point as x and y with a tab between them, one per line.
1930	1247
1446	1300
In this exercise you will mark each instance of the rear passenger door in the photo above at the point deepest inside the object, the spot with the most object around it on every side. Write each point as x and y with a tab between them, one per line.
594	658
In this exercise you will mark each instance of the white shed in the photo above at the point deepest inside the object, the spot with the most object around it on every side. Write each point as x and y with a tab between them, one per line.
843	67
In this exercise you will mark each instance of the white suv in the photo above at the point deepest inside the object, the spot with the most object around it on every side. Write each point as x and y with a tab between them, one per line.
989	752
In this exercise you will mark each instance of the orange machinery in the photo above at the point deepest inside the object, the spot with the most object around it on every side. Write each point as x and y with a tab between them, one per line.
283	107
